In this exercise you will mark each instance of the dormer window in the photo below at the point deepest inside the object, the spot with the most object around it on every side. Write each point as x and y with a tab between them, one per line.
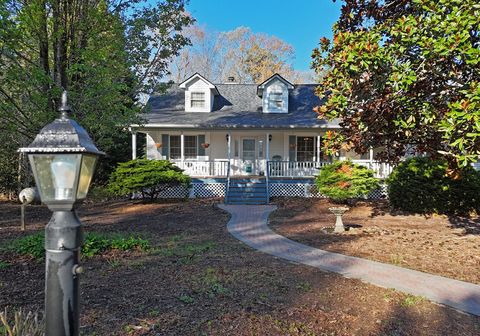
199	94
275	92
275	100
197	100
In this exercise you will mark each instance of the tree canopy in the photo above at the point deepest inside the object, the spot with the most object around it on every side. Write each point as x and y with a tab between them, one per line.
404	75
104	52
247	56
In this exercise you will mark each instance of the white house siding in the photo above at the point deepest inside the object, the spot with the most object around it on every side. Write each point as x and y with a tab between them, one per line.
218	145
218	149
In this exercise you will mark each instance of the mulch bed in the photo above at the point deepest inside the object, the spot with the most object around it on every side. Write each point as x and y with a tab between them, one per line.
437	244
199	280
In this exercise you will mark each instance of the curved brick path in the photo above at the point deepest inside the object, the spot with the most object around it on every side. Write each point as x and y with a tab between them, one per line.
249	224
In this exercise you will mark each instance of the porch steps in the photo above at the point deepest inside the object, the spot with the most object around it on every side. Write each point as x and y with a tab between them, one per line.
247	191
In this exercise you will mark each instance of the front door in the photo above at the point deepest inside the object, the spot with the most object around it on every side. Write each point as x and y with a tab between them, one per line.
248	156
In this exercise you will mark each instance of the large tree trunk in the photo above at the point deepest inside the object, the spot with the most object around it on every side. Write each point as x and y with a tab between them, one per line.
44	49
60	42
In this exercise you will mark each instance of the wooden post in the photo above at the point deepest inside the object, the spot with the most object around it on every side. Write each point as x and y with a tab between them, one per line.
22	217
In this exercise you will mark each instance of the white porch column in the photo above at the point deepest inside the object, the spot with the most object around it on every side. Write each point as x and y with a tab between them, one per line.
371	155
267	147
318	147
267	153
229	146
134	145
182	148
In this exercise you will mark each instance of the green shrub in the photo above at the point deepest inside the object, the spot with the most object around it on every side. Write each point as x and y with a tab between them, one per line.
422	185
95	243
31	245
148	177
343	180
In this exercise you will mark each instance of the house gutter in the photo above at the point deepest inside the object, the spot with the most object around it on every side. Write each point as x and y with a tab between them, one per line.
234	127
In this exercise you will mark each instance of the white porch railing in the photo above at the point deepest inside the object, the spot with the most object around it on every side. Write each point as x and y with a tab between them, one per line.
294	168
205	168
311	168
381	170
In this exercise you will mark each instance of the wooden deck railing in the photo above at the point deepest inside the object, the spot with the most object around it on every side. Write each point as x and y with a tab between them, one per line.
205	168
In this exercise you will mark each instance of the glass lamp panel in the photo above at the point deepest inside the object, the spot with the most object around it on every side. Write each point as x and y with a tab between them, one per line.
86	174
64	171
40	164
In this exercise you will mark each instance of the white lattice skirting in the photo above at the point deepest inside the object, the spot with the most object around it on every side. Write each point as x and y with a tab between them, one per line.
207	190
218	189
310	190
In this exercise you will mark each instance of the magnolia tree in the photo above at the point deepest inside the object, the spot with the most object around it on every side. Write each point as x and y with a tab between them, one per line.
404	76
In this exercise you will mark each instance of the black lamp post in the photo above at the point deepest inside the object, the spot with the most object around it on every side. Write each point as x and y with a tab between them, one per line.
63	159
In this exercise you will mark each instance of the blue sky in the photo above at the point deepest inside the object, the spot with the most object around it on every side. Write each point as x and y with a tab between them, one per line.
300	23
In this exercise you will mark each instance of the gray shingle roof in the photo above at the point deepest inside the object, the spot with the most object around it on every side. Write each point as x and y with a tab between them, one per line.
237	106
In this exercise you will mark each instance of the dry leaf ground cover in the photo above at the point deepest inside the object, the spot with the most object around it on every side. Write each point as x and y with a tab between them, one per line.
437	244
198	280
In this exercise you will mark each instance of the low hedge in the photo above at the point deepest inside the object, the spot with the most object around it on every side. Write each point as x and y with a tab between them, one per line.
423	185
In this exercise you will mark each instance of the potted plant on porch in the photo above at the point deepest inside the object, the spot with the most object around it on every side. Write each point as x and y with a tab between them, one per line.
342	182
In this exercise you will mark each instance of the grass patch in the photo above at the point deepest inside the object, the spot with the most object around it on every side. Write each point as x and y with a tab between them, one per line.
94	244
184	252
4	265
411	300
20	322
211	284
187	299
304	286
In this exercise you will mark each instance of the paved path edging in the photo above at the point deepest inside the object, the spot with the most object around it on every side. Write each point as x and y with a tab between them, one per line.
249	224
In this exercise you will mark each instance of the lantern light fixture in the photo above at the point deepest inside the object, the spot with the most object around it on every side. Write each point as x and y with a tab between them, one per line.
63	159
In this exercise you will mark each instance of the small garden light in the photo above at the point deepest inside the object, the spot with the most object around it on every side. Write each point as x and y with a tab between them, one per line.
63	159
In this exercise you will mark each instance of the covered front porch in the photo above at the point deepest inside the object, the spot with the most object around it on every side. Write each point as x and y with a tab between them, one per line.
231	153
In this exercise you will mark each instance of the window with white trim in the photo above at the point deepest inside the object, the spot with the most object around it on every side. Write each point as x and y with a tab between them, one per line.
197	99
305	148
276	100
190	144
175	147
191	147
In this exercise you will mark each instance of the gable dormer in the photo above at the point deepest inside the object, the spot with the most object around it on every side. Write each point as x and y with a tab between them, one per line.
199	93
274	93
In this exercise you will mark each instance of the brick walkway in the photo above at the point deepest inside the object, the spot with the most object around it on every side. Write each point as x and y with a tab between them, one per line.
249	224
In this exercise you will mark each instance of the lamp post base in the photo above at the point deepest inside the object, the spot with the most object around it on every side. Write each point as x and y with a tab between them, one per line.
63	240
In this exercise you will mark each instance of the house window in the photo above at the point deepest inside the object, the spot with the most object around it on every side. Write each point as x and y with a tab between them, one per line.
191	147
175	147
235	148
276	100
197	99
305	148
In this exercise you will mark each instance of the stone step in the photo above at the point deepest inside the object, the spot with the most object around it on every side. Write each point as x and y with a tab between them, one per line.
247	202
247	194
